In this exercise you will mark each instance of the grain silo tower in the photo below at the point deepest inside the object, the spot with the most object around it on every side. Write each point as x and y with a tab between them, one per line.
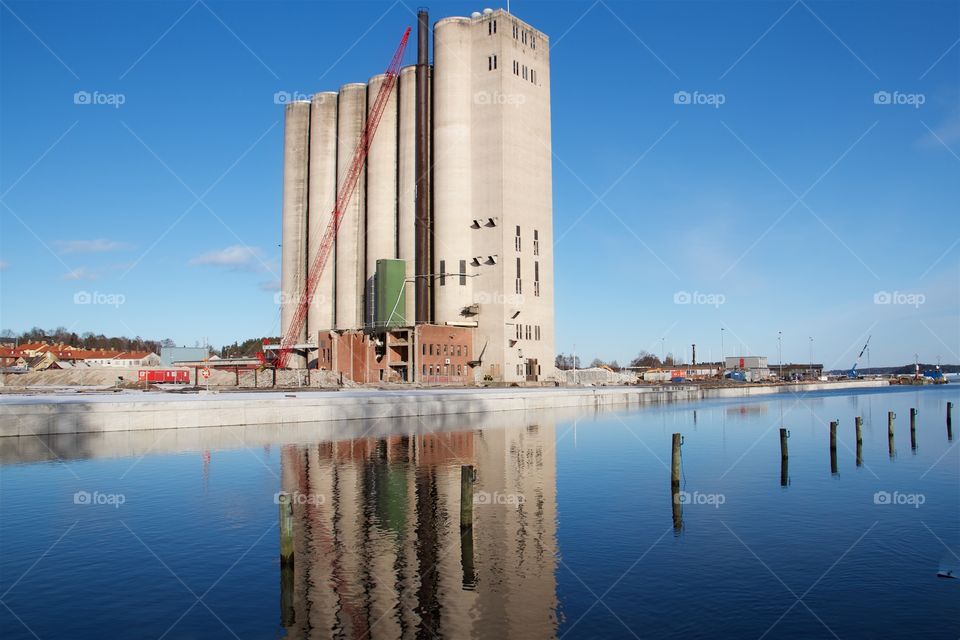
452	218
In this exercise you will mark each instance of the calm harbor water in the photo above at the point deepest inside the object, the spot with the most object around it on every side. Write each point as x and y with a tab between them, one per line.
576	533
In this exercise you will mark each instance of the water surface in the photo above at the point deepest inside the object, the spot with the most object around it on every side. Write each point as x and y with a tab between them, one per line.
575	533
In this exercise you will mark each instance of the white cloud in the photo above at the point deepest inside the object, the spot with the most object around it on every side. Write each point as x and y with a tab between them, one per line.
100	245
236	257
80	273
4	265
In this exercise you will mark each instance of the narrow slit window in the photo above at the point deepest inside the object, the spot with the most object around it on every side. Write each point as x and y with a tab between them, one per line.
443	272
463	272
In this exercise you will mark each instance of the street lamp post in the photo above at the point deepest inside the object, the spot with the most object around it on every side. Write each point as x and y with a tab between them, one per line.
780	351
811	356
723	360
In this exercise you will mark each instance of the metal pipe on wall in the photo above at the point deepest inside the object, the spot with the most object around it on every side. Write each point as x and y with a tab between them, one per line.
422	234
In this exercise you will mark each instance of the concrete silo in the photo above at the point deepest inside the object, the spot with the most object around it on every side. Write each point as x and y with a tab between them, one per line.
452	91
322	197
407	182
350	263
293	268
381	210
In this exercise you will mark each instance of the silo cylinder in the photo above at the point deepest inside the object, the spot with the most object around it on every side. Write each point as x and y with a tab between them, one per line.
352	110
322	197
293	268
381	219
452	190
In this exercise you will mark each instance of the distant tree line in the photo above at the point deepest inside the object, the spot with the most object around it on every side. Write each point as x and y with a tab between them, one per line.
86	340
644	359
246	349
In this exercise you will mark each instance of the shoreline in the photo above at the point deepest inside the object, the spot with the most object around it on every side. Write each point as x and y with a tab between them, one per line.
30	415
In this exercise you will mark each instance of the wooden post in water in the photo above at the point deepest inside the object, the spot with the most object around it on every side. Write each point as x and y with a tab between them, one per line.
890	418
833	446
913	429
858	421
466	497
466	559
949	421
675	460
784	456
286	529
675	498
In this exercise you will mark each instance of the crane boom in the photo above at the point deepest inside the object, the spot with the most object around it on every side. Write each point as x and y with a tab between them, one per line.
345	192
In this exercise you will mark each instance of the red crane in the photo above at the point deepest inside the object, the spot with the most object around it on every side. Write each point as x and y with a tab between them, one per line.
345	192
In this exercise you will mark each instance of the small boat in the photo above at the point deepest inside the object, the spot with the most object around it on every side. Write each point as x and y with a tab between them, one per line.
944	573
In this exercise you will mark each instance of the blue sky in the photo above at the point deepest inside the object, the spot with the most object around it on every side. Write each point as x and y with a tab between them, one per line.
798	205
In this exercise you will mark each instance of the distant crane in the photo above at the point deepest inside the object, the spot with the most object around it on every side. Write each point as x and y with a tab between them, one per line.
852	373
344	194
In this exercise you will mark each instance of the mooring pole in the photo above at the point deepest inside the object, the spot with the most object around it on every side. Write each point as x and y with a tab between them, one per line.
675	458
859	424
949	421
913	428
833	446
890	418
784	456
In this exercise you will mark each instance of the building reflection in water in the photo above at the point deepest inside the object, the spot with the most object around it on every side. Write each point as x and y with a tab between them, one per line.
378	547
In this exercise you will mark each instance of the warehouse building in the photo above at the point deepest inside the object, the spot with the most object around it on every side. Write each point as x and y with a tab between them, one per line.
451	224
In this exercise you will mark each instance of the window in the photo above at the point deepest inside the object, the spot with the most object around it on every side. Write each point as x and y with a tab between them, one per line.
443	272
424	349
424	369
518	331
536	332
524	72
528	332
536	242
494	26
533	41
536	278
533	76
491	63
431	349
516	68
463	272
444	349
516	242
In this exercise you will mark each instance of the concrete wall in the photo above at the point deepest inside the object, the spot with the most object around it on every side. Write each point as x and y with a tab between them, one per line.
293	268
